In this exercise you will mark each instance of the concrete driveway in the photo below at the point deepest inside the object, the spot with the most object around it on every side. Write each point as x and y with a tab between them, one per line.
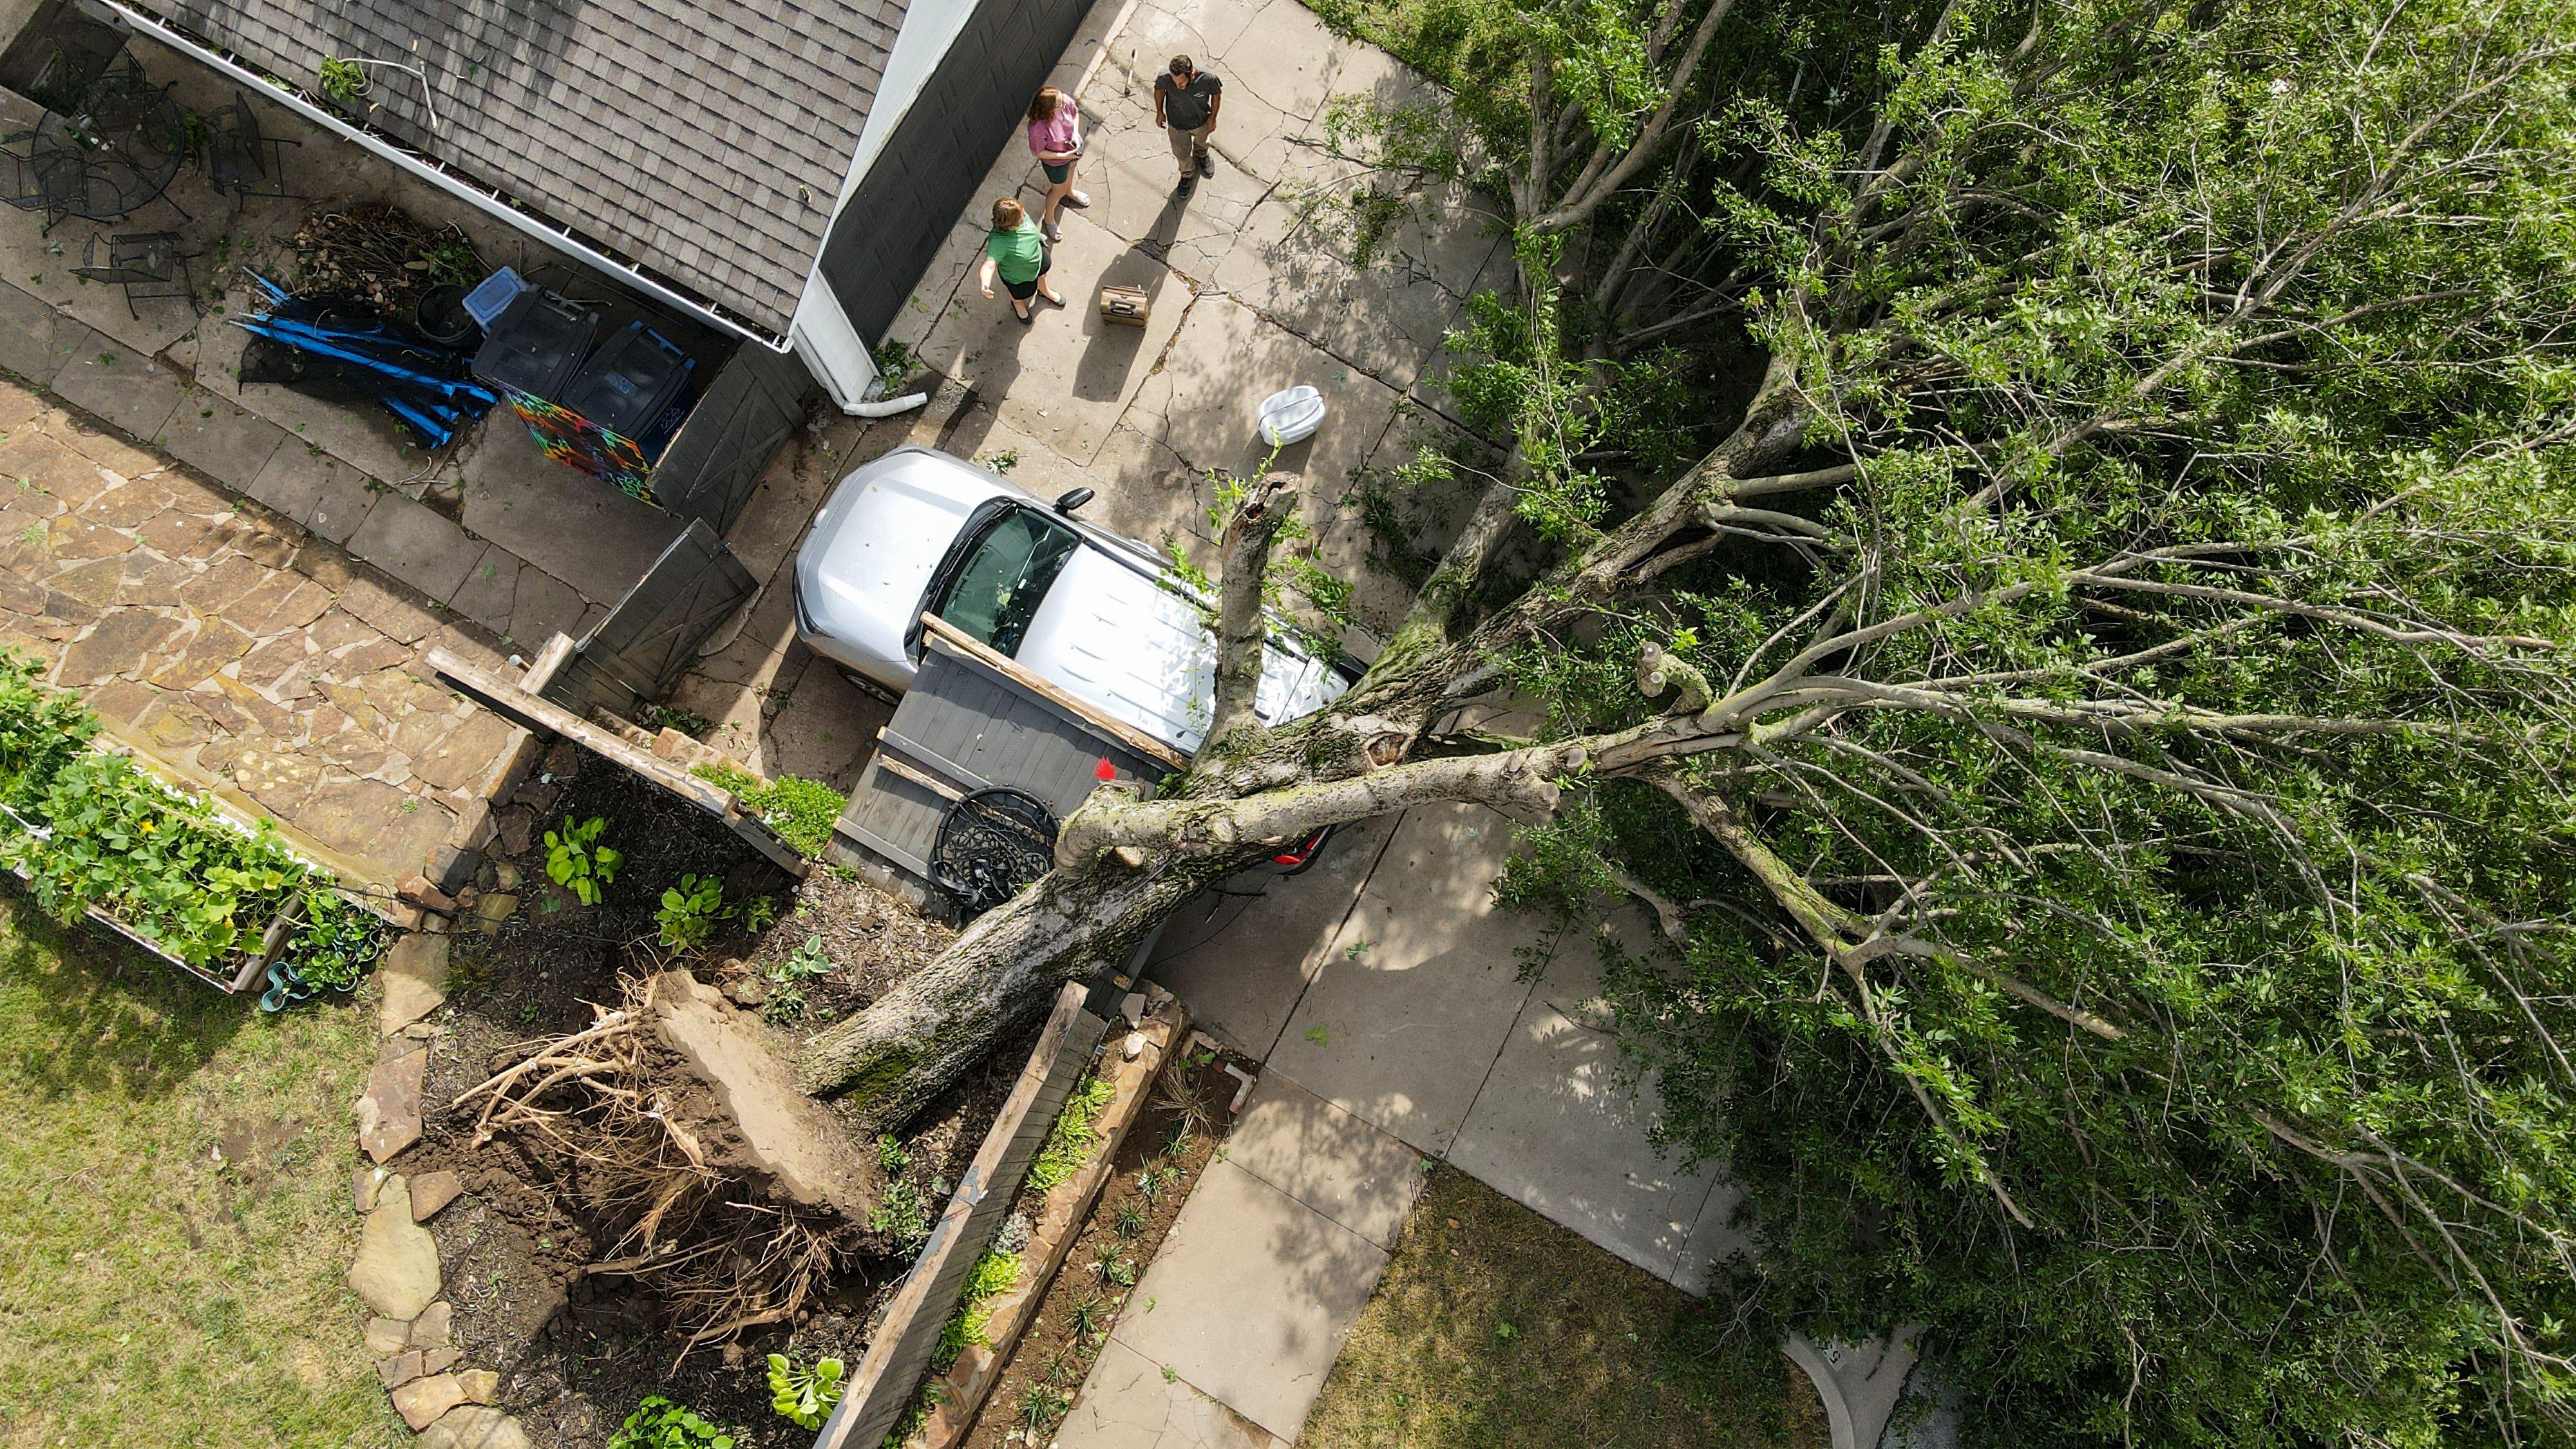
1257	282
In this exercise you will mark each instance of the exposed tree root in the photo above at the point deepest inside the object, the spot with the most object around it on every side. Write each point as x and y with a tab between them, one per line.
598	1109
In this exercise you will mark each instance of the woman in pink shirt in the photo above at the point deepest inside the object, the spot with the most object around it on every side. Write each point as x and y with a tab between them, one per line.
1055	138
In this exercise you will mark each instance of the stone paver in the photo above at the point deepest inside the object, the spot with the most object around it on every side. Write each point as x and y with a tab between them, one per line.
389	1113
229	644
473	1427
126	388
396	1273
414	977
1251	1297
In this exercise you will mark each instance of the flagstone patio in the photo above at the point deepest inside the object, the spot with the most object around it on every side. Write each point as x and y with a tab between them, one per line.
240	650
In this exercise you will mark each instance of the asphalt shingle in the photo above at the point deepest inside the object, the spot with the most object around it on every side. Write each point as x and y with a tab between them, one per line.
674	135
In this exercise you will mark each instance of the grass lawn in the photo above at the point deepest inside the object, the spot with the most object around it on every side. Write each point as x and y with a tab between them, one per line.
174	1207
1495	1327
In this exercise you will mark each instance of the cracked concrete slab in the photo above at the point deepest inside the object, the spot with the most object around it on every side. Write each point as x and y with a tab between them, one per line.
1251	1297
1128	1402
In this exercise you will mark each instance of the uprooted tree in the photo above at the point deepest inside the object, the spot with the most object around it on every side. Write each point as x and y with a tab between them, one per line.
2091	721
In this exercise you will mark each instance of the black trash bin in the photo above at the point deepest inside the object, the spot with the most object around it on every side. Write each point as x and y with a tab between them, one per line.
629	381
538	345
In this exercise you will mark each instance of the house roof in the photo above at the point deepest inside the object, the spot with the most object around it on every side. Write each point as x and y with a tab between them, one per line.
703	141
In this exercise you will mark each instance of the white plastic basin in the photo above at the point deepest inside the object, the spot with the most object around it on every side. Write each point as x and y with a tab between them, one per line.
1291	416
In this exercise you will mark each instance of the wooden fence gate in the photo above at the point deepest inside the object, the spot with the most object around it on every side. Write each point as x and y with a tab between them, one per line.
636	653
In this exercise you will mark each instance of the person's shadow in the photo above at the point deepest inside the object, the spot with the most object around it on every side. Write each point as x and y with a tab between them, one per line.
1117	348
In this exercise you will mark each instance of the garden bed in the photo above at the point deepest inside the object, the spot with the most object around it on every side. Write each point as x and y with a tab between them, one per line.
1180	1128
94	833
578	1349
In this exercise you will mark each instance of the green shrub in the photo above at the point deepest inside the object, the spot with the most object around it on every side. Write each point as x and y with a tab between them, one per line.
1075	1133
800	810
804	1394
577	861
659	1423
690	911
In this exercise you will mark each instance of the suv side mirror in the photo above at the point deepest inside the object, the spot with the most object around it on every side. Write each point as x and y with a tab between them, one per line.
1073	498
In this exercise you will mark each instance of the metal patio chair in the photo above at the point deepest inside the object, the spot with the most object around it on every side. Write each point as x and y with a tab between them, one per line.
148	265
242	160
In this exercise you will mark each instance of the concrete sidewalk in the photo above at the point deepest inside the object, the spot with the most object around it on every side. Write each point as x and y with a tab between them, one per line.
1386	982
1228	1339
1394	1009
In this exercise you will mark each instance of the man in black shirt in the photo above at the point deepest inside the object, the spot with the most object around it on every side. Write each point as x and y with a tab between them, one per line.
1186	100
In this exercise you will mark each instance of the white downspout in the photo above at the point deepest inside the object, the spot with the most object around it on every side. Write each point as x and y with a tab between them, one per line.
886	407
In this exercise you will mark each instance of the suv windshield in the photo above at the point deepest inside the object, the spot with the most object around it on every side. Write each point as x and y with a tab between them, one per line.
1005	576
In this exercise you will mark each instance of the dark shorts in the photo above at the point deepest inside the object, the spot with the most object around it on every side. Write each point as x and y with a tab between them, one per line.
1026	290
1055	173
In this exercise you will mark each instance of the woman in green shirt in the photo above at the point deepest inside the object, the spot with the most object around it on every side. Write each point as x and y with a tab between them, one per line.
1018	253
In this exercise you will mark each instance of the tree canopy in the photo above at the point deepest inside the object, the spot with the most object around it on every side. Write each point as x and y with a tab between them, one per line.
2055	592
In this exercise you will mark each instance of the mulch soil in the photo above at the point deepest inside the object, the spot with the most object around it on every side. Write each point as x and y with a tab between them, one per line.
1184	1125
576	1353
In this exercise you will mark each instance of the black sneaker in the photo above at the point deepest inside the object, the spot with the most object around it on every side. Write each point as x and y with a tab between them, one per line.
1189	183
1207	164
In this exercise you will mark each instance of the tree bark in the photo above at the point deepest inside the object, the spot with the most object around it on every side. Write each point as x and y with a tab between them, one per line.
892	1058
1243	559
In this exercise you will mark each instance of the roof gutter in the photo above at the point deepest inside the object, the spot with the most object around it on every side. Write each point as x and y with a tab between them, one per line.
561	239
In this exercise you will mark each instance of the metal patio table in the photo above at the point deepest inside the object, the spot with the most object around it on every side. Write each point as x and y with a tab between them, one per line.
114	154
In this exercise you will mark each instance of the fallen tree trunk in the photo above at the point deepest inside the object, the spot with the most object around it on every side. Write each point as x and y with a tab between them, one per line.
999	976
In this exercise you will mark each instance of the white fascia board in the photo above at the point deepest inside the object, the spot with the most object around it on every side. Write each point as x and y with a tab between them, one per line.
832	348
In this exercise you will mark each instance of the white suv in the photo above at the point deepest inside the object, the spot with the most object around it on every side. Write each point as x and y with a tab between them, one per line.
1102	617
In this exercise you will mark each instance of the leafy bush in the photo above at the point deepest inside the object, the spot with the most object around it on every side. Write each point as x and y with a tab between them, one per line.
343	82
576	861
159	861
800	810
804	1394
336	943
690	911
659	1423
1074	1134
40	731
